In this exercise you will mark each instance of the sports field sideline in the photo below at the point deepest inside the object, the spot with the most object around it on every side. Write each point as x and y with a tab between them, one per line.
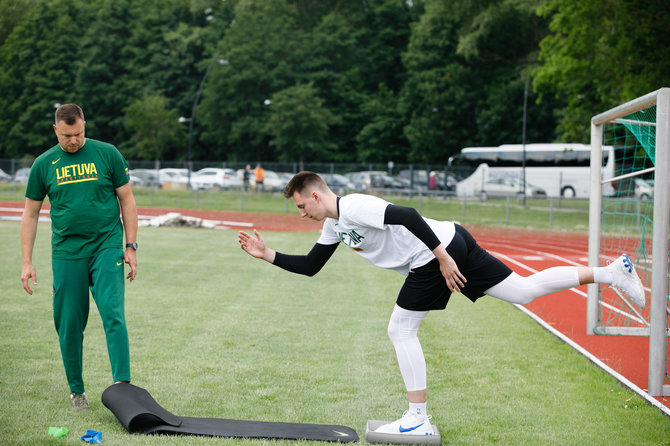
338	375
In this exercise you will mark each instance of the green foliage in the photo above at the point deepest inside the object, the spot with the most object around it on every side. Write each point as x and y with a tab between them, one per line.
155	127
601	54
403	81
299	124
264	53
11	13
467	65
39	64
381	139
120	50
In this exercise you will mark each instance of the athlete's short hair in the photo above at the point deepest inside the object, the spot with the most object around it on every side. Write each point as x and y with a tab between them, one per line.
69	113
303	180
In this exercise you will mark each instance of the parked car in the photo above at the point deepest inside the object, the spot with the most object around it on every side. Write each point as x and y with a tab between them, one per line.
286	176
144	177
5	177
214	177
371	179
273	182
135	181
644	189
21	175
419	179
339	184
172	175
509	187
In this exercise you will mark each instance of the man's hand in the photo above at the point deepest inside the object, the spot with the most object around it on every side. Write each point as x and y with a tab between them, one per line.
27	273
255	247
130	257
455	280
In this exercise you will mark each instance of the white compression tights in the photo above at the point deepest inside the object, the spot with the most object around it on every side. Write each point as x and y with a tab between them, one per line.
523	290
404	324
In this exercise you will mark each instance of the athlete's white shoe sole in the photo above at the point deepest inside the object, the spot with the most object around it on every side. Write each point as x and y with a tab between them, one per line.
627	280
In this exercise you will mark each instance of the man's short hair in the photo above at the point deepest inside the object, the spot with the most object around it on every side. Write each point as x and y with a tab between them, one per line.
301	181
69	113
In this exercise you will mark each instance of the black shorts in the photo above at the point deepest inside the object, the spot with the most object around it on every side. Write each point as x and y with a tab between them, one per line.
426	289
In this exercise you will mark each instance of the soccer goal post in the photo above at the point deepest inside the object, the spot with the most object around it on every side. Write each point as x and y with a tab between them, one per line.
635	220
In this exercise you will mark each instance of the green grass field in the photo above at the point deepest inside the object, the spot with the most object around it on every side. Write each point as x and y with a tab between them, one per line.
216	333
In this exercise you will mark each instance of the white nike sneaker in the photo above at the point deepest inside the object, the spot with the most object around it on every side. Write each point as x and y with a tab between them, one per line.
409	424
626	279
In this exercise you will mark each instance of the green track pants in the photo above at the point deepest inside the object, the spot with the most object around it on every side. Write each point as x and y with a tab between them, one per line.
104	275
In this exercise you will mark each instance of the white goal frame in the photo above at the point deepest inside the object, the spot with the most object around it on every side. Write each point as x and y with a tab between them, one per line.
658	324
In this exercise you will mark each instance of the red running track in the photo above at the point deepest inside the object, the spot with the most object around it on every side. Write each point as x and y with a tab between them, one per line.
523	250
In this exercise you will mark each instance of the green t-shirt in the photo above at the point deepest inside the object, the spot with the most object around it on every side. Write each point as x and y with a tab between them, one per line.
85	214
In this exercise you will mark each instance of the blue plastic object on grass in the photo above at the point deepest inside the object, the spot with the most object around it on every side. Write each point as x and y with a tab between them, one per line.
92	436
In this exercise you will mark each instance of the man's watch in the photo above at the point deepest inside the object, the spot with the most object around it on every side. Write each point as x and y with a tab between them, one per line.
132	245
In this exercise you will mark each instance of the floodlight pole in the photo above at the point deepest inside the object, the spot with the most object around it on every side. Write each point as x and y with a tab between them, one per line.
191	120
523	141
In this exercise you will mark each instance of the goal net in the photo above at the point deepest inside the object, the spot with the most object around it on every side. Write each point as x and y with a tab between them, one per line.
633	220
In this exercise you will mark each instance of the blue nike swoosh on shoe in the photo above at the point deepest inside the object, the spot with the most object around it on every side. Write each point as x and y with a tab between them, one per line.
409	429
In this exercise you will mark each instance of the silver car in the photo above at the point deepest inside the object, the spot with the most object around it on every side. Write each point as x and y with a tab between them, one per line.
509	187
214	177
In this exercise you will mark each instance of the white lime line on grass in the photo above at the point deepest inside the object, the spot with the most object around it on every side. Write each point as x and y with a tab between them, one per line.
632	386
237	223
18	218
20	210
226	223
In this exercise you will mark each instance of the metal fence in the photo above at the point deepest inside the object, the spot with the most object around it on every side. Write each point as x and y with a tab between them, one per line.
549	211
10	166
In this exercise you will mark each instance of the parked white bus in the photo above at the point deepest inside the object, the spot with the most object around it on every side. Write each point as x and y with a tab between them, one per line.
559	169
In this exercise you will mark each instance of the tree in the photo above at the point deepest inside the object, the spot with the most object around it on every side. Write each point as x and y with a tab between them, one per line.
102	54
467	62
265	55
438	99
11	13
299	124
381	139
353	51
37	72
601	54
155	127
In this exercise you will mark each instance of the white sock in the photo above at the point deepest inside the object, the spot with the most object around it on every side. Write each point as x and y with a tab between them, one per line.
419	409
603	275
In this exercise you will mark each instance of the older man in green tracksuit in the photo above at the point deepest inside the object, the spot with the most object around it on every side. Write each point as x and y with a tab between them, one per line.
87	184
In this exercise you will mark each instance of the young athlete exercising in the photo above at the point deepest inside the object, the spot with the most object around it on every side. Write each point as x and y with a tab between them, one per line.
438	258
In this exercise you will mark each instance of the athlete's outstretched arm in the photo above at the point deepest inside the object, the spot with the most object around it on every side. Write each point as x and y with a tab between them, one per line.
412	220
308	265
255	247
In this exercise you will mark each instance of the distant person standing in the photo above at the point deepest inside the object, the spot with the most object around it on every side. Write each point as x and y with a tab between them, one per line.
259	174
432	181
88	186
246	176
